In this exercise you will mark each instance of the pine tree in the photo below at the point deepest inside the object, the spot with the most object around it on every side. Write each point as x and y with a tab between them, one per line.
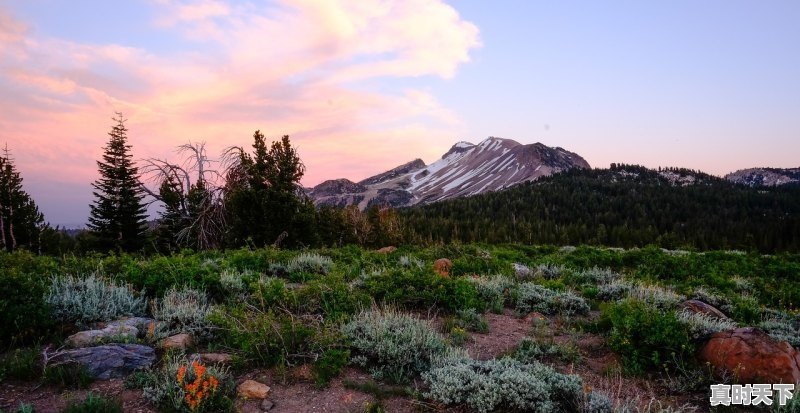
20	219
118	215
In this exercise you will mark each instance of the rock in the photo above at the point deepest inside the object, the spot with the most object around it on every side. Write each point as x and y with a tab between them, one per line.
112	333
180	341
215	358
108	361
699	307
141	323
267	405
522	271
387	250
442	266
251	389
750	355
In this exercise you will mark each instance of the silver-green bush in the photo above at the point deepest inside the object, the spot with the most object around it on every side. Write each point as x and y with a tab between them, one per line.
534	297
614	290
493	290
702	325
183	310
392	344
656	296
310	262
782	327
83	300
504	384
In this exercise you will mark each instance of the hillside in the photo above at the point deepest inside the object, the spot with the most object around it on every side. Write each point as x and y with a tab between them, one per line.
624	206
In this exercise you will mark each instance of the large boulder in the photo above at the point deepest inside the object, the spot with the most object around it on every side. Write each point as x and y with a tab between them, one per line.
442	266
699	307
108	361
749	355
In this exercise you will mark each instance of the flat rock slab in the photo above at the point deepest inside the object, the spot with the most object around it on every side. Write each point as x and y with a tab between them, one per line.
109	361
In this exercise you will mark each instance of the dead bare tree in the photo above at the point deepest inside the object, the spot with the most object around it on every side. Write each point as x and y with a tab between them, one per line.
200	188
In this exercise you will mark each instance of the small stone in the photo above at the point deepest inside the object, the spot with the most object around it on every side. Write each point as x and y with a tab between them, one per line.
267	405
180	341
215	358
387	250
442	266
251	389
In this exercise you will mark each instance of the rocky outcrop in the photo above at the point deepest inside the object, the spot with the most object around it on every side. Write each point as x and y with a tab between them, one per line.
108	361
749	355
765	176
699	307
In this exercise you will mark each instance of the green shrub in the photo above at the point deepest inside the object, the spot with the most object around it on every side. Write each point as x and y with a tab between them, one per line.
25	316
644	336
329	365
21	364
329	296
183	310
94	403
422	289
23	408
269	338
494	290
84	300
534	297
613	290
468	320
73	375
394	345
536	350
168	390
505	385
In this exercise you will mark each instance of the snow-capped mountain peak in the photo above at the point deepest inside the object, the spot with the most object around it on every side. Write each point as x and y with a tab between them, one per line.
466	169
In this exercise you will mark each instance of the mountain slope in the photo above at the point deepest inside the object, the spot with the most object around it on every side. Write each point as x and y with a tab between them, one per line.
765	176
465	170
625	206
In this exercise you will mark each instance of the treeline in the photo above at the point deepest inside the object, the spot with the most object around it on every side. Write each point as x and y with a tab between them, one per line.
249	197
624	206
252	197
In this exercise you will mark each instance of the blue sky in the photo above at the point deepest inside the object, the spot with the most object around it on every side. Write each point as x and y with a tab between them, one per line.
363	86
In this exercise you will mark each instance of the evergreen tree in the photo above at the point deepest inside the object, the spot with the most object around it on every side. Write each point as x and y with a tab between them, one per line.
265	199
20	219
118	215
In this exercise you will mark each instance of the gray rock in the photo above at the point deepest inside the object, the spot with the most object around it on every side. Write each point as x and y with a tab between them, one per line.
112	333
267	405
108	361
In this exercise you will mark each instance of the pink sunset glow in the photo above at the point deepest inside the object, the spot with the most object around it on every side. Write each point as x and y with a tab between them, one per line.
292	68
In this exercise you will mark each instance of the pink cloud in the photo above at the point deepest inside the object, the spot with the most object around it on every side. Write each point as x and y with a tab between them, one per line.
293	67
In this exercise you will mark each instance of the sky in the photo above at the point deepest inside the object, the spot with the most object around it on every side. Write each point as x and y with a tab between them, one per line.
362	86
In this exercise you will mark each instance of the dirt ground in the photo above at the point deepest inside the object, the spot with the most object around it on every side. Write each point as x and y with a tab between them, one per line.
295	392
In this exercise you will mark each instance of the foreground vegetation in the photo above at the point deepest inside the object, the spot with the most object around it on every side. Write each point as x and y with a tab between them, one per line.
394	316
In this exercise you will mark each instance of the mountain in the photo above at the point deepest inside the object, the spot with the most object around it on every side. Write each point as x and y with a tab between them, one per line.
465	170
765	176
